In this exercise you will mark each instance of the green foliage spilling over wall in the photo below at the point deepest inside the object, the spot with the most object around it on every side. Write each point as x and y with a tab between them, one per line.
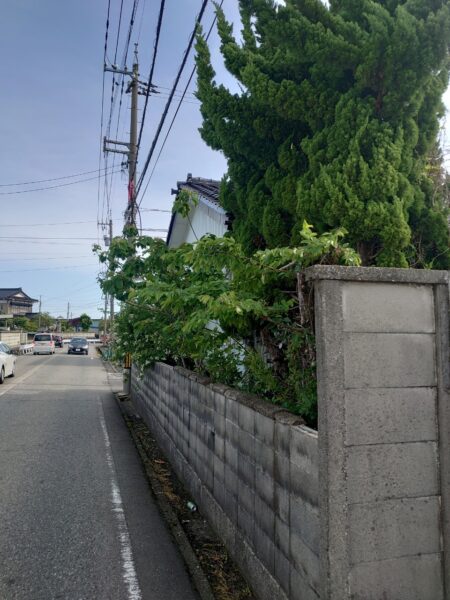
243	321
336	123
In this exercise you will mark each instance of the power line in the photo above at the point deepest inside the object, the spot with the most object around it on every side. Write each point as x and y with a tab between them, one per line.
52	187
18	237
169	101
102	110
44	258
152	68
49	268
53	178
177	111
74	222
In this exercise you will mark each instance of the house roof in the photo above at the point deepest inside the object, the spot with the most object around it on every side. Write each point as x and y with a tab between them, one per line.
208	188
10	293
207	191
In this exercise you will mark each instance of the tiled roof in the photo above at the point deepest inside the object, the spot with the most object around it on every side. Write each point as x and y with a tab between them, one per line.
209	188
6	293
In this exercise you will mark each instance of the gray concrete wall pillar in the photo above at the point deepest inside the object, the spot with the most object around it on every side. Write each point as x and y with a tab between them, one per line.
384	433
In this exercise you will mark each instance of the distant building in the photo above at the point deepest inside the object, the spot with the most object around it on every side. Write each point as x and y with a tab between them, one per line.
207	216
14	301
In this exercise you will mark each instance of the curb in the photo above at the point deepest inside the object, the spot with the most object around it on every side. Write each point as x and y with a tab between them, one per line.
193	566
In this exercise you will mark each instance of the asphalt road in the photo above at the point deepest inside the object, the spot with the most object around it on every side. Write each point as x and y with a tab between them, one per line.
77	519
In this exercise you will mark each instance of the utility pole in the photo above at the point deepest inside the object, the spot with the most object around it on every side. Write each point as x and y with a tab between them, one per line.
68	310
105	311
40	306
131	145
111	298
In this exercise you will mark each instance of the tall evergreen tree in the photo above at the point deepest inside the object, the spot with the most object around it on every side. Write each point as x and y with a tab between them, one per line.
336	123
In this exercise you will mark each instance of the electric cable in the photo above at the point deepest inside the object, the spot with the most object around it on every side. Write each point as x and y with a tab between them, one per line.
152	68
51	187
102	109
51	179
169	101
177	110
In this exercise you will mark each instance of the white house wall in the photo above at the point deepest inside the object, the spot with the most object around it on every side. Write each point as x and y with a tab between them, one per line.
204	220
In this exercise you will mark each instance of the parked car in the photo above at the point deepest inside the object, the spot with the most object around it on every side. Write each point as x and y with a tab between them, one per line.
7	362
58	341
78	346
44	343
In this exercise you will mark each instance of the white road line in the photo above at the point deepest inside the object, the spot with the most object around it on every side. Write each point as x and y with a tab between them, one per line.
128	568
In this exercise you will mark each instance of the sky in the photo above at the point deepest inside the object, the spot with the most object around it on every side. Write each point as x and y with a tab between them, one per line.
50	127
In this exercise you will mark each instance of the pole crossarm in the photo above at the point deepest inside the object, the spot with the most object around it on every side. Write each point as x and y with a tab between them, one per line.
136	87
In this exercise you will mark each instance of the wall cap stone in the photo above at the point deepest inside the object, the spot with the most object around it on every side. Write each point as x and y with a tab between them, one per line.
380	274
263	407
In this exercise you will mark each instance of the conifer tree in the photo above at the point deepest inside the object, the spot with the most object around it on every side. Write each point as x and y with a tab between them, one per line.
336	124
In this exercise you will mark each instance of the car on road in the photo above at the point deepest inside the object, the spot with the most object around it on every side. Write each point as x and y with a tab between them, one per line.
7	362
44	343
59	343
78	346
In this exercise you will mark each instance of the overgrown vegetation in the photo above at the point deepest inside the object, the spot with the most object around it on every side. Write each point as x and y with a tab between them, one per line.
336	123
240	320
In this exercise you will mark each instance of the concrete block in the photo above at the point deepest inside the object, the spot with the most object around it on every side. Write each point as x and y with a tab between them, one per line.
219	447
264	517
388	471
230	506
264	457
304	447
219	424
226	529
390	415
231	456
281	469
304	482
304	521
246	498
385	360
219	491
385	307
281	502
282	571
283	537
246	523
265	586
231	480
246	471
232	433
282	438
304	560
264	429
246	417
264	486
232	410
246	443
219	404
393	528
264	549
300	589
410	578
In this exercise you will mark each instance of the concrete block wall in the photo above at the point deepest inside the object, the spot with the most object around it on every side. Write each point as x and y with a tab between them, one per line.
251	467
384	431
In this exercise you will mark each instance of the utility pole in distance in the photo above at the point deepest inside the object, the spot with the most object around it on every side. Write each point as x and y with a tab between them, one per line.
111	298
131	145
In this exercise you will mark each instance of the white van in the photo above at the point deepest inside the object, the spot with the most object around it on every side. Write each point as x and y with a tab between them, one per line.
43	344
